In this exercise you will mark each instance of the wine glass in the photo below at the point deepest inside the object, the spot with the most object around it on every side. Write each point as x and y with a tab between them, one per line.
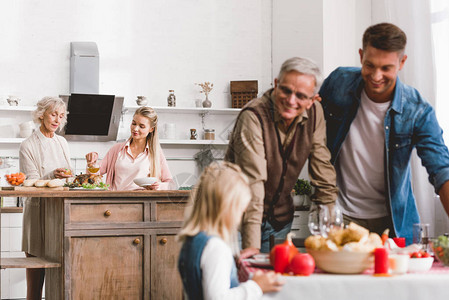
314	219
331	218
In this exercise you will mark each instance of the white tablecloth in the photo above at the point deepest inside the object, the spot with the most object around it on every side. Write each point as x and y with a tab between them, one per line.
431	285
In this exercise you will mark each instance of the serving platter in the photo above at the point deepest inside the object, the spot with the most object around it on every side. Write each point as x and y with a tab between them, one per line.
260	260
85	189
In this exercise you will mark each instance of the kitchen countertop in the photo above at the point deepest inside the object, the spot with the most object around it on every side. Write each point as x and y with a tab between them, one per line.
48	193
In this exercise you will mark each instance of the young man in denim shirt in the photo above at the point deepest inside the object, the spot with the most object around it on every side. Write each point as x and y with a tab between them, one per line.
374	121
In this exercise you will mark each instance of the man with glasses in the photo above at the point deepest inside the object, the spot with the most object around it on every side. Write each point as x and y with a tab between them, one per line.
272	139
374	121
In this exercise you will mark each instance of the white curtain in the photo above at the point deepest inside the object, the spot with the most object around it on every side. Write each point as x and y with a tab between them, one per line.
416	18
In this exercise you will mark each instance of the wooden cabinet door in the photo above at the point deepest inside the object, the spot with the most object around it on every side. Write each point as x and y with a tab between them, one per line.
165	280
106	267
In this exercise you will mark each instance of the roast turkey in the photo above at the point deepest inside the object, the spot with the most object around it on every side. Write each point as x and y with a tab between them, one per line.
87	178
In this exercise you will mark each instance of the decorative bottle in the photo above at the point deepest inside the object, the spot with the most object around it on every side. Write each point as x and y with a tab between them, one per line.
171	99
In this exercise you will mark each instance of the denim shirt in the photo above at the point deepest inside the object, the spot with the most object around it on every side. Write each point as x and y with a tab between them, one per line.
410	122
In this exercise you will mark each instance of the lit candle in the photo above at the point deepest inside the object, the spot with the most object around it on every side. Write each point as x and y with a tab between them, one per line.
380	261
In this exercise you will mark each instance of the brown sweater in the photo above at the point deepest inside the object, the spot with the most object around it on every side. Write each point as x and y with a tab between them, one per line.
272	156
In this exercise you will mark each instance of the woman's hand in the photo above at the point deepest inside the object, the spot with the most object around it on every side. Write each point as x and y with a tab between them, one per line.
62	173
91	158
268	282
154	186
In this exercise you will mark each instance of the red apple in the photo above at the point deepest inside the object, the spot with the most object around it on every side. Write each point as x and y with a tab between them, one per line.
302	264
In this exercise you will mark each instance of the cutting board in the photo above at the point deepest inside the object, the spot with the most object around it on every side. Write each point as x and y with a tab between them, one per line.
33	188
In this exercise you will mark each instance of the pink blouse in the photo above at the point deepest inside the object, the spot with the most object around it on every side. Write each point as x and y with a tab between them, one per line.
121	168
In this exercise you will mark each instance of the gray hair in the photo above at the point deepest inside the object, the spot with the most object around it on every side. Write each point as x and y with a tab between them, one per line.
51	104
303	66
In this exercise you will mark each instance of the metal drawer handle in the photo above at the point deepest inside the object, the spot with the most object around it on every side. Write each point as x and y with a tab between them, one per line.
107	213
136	241
163	241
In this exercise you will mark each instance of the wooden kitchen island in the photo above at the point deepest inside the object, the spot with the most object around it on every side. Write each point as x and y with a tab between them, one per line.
109	245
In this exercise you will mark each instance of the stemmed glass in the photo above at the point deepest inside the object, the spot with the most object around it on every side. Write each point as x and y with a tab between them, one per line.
323	218
331	218
314	221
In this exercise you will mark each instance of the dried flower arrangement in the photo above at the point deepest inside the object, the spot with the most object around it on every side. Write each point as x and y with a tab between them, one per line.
206	87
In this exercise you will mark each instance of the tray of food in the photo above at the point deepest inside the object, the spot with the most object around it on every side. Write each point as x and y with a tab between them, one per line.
87	182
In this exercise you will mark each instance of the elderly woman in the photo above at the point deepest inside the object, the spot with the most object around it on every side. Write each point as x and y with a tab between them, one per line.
140	156
44	155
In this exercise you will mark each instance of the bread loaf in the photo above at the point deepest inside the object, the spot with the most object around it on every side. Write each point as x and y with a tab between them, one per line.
55	183
41	183
29	182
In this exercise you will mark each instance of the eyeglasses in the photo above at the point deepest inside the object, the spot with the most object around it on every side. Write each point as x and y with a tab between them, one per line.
287	92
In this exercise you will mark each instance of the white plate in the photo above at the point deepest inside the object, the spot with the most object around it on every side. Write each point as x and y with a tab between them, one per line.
260	260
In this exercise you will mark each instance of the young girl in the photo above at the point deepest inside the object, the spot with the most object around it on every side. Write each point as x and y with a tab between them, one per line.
140	156
209	237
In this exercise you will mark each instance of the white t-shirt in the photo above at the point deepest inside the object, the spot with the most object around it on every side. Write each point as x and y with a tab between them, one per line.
216	266
360	163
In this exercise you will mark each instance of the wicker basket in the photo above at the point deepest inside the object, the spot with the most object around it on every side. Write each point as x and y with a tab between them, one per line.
242	92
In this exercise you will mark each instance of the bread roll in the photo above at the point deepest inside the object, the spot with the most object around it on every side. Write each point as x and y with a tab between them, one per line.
41	183
55	183
29	182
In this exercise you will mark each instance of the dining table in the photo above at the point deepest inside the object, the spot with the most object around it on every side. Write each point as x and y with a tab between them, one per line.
432	284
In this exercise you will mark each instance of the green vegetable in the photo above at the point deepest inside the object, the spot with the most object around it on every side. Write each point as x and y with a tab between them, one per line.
100	185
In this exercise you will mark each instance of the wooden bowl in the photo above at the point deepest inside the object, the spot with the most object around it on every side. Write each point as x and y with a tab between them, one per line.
342	262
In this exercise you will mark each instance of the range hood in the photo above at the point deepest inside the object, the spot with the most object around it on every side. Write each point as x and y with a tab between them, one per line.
84	68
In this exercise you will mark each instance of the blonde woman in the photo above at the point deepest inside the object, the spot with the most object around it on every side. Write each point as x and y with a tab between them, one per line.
43	155
209	237
140	156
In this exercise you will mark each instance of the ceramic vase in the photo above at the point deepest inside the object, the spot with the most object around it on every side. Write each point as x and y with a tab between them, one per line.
207	103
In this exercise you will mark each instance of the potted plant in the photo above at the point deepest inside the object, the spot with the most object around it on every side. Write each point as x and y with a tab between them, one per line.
301	192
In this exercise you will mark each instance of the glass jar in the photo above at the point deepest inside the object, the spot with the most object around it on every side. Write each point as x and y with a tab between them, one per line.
171	99
209	134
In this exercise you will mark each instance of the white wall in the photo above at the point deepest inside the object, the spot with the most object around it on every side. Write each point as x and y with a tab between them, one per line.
146	47
344	23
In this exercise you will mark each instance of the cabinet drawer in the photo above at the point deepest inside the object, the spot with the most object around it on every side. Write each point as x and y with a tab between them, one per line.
170	211
108	212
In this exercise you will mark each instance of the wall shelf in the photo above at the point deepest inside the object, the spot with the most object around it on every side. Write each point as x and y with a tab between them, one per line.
162	141
188	110
11	140
193	142
17	108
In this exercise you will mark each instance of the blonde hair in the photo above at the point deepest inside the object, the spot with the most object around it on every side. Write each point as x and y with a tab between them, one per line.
53	104
219	200
152	140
